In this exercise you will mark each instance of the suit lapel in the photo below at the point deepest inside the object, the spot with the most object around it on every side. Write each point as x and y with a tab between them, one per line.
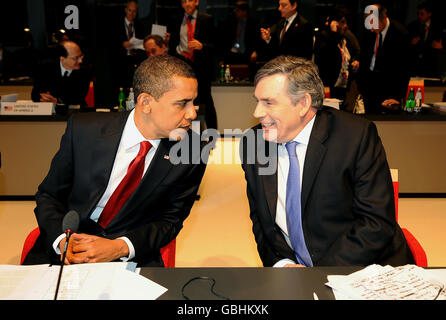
269	181
155	174
315	153
105	149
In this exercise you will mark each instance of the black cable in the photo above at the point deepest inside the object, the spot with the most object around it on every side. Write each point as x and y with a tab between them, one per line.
212	288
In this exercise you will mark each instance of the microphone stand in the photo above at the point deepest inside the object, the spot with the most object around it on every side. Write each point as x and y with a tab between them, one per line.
68	233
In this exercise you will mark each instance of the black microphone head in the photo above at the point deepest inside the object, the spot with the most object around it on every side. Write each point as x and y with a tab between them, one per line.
71	221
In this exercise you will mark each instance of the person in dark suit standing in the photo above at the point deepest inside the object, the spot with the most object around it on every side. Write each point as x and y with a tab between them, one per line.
323	195
239	34
336	54
62	81
129	31
384	70
292	35
425	42
192	38
116	170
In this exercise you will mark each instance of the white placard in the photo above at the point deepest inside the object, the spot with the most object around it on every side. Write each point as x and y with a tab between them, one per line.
27	108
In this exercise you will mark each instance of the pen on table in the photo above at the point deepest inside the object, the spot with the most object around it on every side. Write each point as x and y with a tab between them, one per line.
315	296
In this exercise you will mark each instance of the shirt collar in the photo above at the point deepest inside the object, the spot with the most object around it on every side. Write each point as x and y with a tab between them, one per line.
290	19
384	32
62	69
131	136
303	137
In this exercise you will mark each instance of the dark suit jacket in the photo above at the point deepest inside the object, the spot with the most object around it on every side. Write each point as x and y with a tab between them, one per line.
328	56
79	175
71	90
390	78
348	213
297	41
205	32
228	36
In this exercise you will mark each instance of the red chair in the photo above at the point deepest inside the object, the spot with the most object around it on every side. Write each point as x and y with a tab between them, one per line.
167	252
417	250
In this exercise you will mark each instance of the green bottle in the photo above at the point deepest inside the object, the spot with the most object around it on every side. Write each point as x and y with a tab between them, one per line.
121	99
410	102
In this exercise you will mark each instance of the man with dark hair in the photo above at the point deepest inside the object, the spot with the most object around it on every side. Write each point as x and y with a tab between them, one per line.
330	201
292	35
192	38
115	170
62	81
154	45
129	31
383	75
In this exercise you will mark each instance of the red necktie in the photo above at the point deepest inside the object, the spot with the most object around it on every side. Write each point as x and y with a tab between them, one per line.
190	36
126	187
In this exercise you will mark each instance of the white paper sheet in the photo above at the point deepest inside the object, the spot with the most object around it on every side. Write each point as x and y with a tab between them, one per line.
159	30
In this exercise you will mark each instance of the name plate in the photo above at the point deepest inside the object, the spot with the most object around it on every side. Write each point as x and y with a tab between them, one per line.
27	108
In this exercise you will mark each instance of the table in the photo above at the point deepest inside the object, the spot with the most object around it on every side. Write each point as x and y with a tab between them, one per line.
247	283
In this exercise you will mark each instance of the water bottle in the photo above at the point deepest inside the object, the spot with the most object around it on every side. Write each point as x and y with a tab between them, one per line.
227	73
121	99
130	102
410	102
418	101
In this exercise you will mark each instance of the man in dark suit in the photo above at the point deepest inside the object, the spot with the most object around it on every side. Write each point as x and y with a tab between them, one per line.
383	75
129	31
325	195
62	81
192	38
292	35
239	34
124	213
425	42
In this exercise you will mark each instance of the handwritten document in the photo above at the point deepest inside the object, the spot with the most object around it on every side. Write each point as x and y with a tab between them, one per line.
377	282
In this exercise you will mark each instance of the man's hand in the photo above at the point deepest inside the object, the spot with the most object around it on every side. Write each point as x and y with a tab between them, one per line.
290	265
47	97
389	102
127	44
195	45
265	33
84	248
355	65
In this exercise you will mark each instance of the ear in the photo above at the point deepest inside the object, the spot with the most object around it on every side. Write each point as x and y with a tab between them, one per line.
305	103
145	102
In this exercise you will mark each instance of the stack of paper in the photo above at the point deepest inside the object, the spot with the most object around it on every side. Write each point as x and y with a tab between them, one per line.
95	281
377	282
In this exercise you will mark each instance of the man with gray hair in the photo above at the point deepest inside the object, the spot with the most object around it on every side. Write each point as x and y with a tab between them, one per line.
330	202
114	170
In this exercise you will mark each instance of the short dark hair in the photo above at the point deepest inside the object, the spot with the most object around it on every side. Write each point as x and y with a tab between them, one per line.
154	75
426	5
303	77
157	38
242	5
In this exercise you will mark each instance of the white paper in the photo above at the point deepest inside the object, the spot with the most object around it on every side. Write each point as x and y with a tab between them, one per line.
159	30
388	283
136	44
95	281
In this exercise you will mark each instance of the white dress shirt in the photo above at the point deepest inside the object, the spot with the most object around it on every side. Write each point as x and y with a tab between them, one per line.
127	151
183	46
63	70
282	176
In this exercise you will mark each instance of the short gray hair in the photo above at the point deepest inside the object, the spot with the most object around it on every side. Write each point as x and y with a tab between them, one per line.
303	77
154	75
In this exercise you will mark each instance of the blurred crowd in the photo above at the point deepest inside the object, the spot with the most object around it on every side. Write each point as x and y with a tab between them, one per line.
376	61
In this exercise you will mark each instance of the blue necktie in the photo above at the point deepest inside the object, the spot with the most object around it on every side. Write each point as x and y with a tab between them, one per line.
293	208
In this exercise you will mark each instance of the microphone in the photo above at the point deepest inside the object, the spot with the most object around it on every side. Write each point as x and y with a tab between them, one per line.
70	224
